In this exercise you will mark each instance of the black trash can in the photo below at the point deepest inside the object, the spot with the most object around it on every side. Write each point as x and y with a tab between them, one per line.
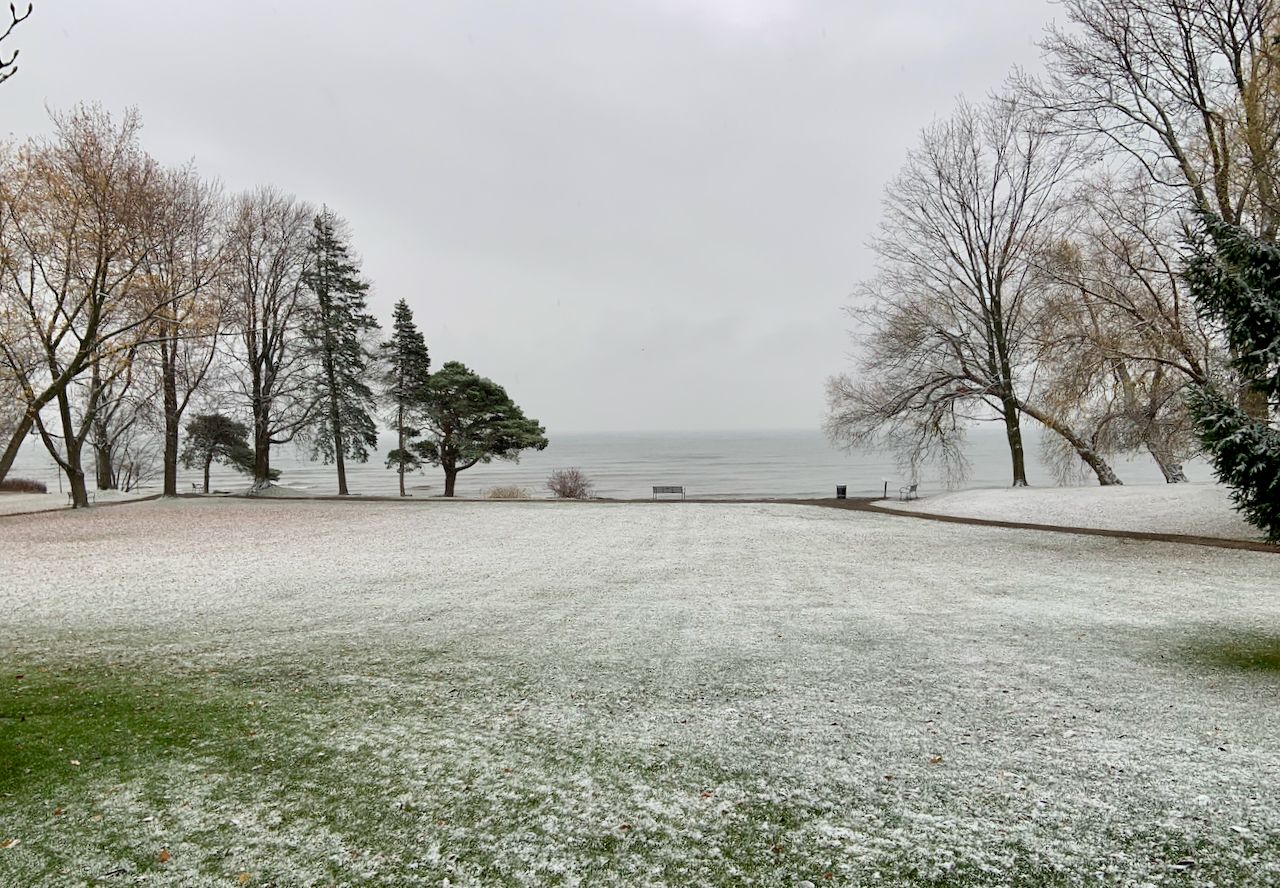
840	491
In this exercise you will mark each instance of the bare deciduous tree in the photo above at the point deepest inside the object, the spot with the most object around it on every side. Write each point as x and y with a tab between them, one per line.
1185	87
8	66
74	236
267	260
1120	338
952	310
184	283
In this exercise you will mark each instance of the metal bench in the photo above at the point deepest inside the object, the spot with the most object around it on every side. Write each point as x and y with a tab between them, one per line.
908	493
667	489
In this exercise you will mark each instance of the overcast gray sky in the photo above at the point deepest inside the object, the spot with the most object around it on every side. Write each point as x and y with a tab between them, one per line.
634	214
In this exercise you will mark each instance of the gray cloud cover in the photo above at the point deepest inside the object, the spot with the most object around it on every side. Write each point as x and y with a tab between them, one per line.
634	214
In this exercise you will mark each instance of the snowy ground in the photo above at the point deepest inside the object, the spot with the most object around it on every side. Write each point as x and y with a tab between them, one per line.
214	692
1198	509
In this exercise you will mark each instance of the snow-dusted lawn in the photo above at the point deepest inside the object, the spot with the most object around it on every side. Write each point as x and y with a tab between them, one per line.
1198	509
225	692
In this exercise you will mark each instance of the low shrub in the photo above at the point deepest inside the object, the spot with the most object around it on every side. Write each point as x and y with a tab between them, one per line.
509	492
22	485
570	484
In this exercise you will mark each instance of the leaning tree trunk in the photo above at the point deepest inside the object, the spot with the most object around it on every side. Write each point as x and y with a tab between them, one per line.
15	444
1106	475
1170	465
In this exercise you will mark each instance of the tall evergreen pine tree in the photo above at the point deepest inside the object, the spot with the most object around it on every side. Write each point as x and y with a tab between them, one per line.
405	380
336	331
1235	280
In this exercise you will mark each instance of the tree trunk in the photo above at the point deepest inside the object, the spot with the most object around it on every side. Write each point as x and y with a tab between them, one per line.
1170	466
102	456
335	424
1106	475
172	418
207	463
450	479
1013	431
71	462
400	448
335	420
1254	404
15	444
75	478
261	454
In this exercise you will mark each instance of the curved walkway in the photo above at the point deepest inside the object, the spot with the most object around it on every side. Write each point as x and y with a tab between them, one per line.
867	504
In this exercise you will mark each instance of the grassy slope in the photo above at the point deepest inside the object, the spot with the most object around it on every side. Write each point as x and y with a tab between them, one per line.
487	754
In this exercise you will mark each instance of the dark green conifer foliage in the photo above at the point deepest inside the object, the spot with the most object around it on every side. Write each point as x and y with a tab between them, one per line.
469	419
212	437
405	378
337	331
1235	280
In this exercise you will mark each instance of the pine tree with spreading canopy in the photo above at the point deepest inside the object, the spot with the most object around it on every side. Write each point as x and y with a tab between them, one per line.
1234	278
470	420
337	330
212	437
406	377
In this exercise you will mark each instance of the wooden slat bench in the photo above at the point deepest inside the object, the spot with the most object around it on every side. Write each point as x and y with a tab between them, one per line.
908	493
659	489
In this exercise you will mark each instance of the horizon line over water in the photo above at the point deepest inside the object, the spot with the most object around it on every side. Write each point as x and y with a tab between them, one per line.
625	465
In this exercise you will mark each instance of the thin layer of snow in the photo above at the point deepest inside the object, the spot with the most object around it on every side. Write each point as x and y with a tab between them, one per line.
504	686
1198	509
26	503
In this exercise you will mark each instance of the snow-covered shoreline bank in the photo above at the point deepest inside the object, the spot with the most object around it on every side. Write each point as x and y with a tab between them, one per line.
12	504
1197	509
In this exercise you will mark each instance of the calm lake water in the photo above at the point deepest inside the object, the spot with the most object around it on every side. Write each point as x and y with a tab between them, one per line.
711	464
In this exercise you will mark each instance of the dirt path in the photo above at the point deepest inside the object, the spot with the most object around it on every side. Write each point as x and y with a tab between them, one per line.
866	505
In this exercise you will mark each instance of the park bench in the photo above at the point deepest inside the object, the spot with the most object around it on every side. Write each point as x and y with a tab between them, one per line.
71	498
908	493
659	489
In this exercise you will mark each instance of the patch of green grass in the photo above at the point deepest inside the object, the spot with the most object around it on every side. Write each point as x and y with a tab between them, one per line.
415	768
1255	652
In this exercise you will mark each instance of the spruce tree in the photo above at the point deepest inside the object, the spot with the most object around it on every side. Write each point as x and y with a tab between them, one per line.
337	330
1235	280
405	379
